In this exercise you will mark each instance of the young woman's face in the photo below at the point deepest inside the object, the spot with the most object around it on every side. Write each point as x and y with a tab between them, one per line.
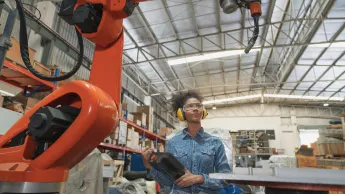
193	110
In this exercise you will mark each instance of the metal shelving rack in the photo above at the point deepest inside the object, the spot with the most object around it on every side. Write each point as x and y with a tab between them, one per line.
144	134
260	147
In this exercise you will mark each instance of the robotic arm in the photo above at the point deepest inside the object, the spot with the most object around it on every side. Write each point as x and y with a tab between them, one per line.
38	151
230	6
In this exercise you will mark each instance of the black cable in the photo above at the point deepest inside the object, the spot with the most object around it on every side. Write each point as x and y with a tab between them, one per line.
255	36
34	16
24	49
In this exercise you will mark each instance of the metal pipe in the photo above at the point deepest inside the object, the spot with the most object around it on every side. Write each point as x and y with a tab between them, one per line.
5	39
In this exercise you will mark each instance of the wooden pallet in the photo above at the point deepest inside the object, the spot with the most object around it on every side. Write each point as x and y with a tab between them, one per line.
119	171
14	53
304	161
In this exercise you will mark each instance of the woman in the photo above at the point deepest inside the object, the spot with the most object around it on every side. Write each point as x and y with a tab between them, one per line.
199	152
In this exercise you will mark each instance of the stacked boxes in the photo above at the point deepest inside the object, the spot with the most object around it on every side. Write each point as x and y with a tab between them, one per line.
331	141
132	139
149	116
164	131
149	144
140	119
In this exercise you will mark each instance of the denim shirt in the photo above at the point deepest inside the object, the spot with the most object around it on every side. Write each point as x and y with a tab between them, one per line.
201	155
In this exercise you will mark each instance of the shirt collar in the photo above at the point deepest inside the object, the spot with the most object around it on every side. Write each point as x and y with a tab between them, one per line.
200	133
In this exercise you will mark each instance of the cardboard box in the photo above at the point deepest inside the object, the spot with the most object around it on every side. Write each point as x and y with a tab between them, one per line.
149	116
122	133
130	117
130	132
304	161
124	106
164	131
331	148
13	54
31	102
161	147
43	69
1	100
315	149
149	144
138	122
108	168
117	133
141	117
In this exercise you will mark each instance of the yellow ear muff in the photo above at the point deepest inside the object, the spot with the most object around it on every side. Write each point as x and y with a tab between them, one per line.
204	113
180	114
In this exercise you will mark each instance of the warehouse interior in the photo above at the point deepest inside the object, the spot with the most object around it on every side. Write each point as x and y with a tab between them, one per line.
277	105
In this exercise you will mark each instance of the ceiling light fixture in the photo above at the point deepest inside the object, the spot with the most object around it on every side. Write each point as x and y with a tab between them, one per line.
214	108
326	104
207	56
283	96
331	45
304	97
231	99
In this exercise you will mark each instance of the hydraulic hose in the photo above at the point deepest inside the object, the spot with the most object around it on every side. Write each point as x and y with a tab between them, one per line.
24	49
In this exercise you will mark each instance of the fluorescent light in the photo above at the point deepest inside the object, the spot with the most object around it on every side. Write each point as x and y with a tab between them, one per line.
338	45
231	99
206	56
326	104
214	108
283	96
325	45
304	97
6	93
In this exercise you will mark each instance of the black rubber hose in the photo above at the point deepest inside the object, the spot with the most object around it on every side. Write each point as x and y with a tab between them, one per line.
24	49
255	36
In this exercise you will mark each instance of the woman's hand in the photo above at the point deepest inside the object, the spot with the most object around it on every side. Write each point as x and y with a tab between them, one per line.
146	157
189	179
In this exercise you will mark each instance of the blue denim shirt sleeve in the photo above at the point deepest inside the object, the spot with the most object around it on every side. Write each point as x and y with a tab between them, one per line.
221	166
159	176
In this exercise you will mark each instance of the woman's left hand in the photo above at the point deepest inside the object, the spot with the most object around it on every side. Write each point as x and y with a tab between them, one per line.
189	179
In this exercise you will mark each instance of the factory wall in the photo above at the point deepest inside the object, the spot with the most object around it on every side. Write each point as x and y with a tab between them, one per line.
284	120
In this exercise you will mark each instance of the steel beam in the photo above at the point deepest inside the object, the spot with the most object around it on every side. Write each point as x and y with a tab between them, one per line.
235	49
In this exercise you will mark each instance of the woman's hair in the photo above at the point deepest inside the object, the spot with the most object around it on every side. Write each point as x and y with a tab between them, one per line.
179	99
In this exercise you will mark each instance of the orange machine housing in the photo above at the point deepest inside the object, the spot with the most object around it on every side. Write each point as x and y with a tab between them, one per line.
98	100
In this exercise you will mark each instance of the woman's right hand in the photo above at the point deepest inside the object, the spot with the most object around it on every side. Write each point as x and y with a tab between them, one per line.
146	157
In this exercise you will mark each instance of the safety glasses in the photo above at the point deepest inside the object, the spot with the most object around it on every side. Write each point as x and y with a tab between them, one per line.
192	106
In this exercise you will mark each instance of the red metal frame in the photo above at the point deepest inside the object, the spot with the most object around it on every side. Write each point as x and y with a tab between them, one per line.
23	78
118	148
141	130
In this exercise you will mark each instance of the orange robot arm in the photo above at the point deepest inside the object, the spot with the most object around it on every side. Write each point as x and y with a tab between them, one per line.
68	124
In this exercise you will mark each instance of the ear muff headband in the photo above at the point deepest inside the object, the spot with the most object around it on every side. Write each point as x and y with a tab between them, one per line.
180	114
182	117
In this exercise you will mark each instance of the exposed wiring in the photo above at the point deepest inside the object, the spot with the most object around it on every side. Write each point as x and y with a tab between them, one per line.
24	49
34	17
